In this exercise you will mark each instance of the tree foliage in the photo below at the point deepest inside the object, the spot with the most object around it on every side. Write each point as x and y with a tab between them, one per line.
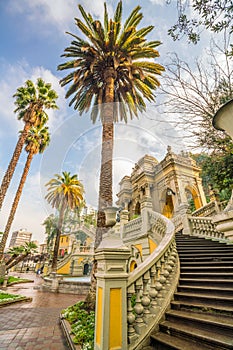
213	15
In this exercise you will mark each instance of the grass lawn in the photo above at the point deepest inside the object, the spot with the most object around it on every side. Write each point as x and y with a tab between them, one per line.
12	280
6	298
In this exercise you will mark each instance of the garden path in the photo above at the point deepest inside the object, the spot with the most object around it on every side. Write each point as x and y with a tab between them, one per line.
34	325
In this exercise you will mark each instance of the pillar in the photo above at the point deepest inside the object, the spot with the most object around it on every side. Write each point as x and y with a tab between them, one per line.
111	298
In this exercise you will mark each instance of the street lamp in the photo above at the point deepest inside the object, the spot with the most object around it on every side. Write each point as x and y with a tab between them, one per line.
223	119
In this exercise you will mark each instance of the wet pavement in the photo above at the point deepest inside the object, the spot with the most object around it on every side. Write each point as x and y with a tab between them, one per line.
34	325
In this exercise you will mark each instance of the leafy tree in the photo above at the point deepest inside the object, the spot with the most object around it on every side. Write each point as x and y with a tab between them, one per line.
37	140
64	192
27	249
50	224
214	15
112	72
31	101
217	172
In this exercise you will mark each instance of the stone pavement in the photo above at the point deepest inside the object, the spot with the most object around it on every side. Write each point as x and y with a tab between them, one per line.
34	325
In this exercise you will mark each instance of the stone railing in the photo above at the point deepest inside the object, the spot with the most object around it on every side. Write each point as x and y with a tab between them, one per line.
131	304
210	209
204	227
178	223
152	284
132	228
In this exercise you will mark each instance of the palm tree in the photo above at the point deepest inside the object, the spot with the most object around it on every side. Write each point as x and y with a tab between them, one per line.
31	102
14	252
112	72
50	224
65	192
27	249
37	140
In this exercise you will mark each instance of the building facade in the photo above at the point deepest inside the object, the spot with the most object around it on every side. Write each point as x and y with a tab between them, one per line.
20	237
168	184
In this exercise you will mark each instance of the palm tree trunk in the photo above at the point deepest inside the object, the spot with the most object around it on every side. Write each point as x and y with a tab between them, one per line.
15	203
57	240
105	184
20	258
12	165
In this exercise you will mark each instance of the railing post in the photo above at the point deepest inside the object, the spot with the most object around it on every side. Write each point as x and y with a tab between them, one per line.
111	297
183	211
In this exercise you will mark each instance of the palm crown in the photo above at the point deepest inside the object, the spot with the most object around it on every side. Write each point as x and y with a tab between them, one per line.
33	99
65	191
123	49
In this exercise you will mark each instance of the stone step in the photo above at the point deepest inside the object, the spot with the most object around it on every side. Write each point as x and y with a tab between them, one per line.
203	336
210	263
221	283
207	275
164	341
220	324
206	269
199	307
206	259
204	298
218	291
204	254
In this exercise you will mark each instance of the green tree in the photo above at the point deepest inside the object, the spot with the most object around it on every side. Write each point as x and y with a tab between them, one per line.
37	140
64	192
27	249
112	72
31	101
213	15
50	224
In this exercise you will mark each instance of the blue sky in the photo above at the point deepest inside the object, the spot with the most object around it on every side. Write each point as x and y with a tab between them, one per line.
32	39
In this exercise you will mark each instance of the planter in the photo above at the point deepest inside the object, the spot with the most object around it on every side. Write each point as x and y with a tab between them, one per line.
110	216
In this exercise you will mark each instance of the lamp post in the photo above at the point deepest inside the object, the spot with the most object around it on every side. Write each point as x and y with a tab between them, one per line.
223	119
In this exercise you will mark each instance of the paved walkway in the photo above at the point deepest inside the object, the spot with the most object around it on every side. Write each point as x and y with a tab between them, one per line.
34	325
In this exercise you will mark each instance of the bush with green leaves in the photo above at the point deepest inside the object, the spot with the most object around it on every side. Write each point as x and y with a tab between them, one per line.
82	324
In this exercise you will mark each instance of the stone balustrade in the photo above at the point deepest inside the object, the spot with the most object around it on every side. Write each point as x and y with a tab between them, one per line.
204	227
151	286
210	209
138	298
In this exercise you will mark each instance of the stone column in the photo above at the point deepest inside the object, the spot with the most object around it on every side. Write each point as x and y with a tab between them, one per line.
111	299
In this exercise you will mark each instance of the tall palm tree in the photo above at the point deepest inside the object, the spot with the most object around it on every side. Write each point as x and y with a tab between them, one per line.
50	224
37	140
27	249
112	72
64	192
31	102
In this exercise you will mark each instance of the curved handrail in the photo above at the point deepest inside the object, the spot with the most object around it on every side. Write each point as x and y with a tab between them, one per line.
152	284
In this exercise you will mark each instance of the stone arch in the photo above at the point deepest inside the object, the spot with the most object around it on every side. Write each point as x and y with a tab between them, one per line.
192	194
133	265
137	210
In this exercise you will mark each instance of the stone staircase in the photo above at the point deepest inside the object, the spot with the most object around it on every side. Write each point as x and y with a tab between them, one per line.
201	314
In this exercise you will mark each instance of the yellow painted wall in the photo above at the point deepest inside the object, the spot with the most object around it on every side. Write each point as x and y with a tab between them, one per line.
152	245
99	315
115	319
139	247
65	269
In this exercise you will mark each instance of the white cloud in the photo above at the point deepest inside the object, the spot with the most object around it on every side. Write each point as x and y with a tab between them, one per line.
60	14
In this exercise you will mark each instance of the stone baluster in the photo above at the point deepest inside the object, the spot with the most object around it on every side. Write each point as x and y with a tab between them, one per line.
145	298
158	284
138	308
153	292
132	336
